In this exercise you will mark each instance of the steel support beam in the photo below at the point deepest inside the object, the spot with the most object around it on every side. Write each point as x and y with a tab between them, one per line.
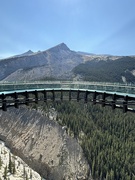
26	94
45	95
16	100
86	97
78	96
61	95
36	96
4	102
113	101
53	95
103	99
70	95
94	97
125	103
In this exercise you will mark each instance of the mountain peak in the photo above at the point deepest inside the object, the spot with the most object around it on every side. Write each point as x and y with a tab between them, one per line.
59	47
27	53
63	46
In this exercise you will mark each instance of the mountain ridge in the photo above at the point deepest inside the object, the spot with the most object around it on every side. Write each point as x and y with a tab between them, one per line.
56	61
59	62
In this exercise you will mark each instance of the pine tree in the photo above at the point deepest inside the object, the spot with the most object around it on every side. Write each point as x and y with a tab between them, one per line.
24	171
30	174
27	176
5	173
10	164
0	162
13	168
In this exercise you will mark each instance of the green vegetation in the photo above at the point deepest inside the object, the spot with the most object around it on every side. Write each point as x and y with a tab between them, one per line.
107	71
0	162
11	165
5	173
107	137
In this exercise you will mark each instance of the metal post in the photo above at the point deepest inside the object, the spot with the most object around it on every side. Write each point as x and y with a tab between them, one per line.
125	103
4	102
26	98
61	97
78	94
16	100
103	99
113	101
94	97
86	96
53	95
70	95
45	96
36	96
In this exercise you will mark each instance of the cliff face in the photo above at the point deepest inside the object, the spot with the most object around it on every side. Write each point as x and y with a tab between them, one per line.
43	144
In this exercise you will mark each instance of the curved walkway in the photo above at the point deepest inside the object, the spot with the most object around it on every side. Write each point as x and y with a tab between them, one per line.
107	94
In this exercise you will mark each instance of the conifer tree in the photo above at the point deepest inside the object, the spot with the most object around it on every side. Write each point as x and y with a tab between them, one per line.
0	162
13	168
10	164
5	173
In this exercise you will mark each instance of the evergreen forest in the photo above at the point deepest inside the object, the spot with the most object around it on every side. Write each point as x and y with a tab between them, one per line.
107	137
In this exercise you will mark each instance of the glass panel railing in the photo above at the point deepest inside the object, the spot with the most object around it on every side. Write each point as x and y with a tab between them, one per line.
97	86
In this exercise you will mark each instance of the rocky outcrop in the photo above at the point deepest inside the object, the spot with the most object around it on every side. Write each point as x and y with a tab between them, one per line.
43	144
36	73
13	168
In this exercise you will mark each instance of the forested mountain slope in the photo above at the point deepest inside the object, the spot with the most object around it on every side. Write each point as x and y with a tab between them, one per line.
119	70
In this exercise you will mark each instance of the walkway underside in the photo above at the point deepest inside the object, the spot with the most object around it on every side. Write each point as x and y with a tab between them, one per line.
21	97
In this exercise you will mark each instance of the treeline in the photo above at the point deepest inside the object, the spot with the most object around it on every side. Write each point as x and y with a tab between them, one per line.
107	137
107	71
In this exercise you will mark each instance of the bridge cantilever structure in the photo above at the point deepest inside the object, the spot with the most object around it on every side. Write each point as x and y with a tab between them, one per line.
20	97
107	94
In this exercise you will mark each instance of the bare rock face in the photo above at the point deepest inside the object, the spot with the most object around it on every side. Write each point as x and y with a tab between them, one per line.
17	169
43	144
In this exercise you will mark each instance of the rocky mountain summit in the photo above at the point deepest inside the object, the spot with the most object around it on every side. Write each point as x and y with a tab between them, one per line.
43	144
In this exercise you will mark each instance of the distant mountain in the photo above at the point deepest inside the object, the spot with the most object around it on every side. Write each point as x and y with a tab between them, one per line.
59	62
20	55
56	62
27	53
120	70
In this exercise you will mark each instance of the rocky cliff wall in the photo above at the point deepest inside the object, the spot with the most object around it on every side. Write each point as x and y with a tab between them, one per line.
43	144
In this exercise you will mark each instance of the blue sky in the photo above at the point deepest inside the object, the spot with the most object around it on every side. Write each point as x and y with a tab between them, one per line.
95	26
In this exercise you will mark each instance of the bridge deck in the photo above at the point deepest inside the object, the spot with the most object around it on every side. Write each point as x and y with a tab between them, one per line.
106	94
